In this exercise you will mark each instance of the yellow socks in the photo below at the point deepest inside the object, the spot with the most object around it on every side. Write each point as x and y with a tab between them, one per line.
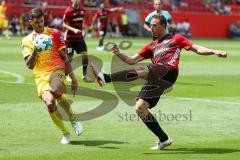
63	102
58	122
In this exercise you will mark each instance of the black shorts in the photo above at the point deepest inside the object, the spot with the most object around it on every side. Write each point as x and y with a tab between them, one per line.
160	78
78	46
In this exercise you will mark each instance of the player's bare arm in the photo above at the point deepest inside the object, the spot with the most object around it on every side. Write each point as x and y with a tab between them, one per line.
30	61
68	27
93	20
127	59
69	71
147	27
207	51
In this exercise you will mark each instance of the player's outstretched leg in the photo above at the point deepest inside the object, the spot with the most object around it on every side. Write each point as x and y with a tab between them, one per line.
121	76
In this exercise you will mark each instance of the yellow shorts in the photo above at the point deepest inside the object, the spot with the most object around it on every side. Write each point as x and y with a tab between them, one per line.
3	23
53	81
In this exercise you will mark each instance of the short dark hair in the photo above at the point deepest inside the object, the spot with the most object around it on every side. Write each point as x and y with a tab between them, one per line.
36	13
161	18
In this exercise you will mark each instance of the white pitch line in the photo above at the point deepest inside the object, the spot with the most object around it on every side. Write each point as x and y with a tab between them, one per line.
183	98
20	79
177	98
12	82
204	100
180	98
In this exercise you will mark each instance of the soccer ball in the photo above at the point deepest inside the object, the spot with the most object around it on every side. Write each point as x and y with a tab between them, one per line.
42	42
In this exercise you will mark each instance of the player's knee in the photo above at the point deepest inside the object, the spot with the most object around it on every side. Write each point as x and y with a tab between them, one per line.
50	102
138	109
141	108
142	72
141	111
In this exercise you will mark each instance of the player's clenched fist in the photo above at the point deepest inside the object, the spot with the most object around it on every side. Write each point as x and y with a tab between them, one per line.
222	54
115	49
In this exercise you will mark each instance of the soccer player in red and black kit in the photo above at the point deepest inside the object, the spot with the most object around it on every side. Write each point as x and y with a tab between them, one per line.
73	21
162	74
102	17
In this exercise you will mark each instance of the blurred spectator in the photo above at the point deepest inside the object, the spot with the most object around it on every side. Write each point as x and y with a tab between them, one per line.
207	3
114	2
113	28
238	2
176	2
167	4
14	25
235	30
220	7
91	3
186	28
157	4
133	23
48	17
117	29
31	2
3	19
28	2
227	2
128	1
172	28
124	24
180	28
23	23
56	23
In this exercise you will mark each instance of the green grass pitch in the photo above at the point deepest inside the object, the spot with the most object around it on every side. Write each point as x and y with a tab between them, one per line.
201	113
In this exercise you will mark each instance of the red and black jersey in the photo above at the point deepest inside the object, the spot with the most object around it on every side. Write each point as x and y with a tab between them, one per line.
74	17
102	16
166	50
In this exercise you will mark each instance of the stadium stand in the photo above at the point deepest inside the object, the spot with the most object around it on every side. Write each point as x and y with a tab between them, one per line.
197	11
207	6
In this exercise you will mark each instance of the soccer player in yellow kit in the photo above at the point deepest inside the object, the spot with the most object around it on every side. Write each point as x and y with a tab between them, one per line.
3	20
49	69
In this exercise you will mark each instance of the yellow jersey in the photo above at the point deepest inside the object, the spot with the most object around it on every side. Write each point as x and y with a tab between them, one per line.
47	61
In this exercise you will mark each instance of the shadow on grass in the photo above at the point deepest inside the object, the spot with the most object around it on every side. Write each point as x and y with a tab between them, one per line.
196	151
98	143
194	84
109	147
